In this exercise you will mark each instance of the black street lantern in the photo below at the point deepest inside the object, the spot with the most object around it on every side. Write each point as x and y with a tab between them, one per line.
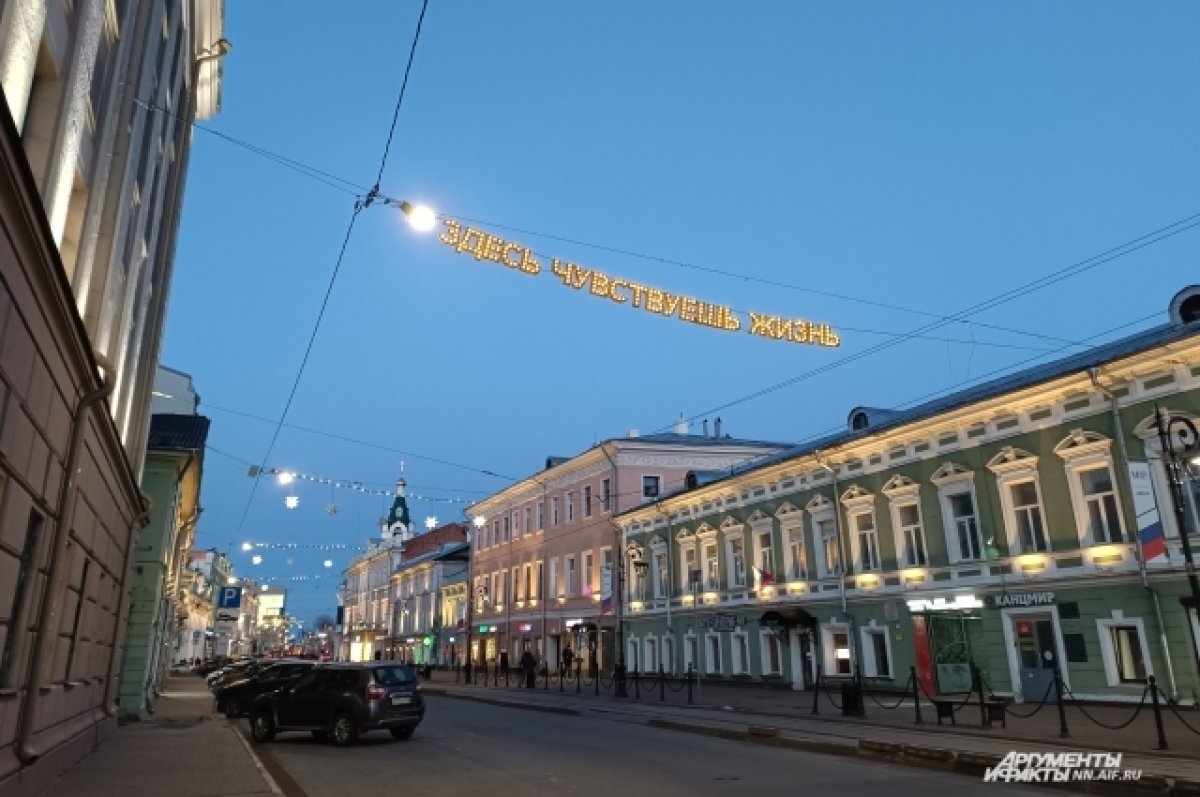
1177	459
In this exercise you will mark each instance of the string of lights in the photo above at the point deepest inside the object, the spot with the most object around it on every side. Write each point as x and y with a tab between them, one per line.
292	546
287	477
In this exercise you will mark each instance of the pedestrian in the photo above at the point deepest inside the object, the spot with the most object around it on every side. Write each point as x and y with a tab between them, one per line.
529	668
567	656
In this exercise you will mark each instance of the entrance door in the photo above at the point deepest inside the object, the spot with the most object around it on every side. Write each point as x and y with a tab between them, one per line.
802	662
1036	655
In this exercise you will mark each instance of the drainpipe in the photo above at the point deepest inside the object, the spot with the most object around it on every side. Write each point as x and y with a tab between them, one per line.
1131	522
48	615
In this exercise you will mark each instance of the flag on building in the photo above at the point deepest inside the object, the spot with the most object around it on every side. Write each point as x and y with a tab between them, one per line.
765	577
1150	529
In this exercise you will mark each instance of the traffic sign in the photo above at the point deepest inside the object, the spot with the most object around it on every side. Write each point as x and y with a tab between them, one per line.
230	598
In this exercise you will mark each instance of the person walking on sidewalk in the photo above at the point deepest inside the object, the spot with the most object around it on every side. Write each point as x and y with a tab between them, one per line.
567	656
529	668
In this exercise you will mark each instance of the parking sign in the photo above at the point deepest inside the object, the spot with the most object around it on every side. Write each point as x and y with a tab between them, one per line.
230	598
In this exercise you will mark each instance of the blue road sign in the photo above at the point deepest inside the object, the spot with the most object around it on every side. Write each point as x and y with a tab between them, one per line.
230	598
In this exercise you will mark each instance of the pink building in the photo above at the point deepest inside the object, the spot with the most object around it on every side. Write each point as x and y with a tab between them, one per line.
545	563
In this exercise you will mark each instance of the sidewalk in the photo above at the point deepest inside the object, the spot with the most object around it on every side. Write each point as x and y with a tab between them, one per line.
786	719
182	750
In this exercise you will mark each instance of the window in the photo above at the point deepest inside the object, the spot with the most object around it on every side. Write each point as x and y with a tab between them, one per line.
690	567
714	654
765	554
651	655
662	580
831	557
912	538
1123	648
966	526
712	570
737	562
497	588
650	486
691	655
554	511
605	494
528	517
554	586
772	656
516	583
541	574
668	654
528	592
495	538
569	576
741	654
570	506
541	514
868	541
506	529
587	501
1027	516
1100	504
585	578
837	649
797	564
876	653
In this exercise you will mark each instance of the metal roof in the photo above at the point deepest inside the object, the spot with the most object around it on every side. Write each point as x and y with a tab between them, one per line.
177	432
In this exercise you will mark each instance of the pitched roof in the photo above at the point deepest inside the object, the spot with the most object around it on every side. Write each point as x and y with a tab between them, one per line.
177	432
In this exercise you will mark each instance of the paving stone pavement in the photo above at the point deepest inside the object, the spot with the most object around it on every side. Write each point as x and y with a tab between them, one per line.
182	750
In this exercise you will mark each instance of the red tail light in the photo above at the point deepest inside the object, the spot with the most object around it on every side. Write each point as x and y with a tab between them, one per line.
376	692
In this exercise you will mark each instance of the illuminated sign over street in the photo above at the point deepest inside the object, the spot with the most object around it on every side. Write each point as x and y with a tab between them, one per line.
494	249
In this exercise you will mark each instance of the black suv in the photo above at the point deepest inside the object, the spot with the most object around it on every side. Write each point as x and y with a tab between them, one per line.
236	695
342	701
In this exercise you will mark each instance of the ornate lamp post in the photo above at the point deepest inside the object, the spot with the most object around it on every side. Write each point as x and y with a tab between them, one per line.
1170	430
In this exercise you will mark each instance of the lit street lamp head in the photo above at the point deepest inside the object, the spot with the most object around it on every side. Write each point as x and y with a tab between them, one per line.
420	217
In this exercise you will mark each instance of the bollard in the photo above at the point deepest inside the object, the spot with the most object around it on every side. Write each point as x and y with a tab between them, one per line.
596	684
977	684
662	685
1158	723
817	692
689	683
562	676
496	669
546	677
578	690
637	694
916	690
1058	697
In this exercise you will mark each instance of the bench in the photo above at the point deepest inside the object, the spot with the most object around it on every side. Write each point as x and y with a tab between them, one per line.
996	709
944	707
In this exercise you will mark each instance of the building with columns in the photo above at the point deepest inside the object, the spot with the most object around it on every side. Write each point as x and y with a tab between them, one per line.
97	100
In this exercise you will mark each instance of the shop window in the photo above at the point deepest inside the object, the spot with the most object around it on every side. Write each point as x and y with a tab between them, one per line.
741	654
1123	648
876	653
772	655
668	654
713	643
837	650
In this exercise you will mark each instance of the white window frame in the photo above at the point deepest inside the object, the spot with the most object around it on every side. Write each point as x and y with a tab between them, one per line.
691	652
791	532
821	511
554	511
541	515
658	482
870	667
587	500
712	642
570	506
606	494
667	646
586	570
528	520
555	584
662	578
1013	467
859	503
767	639
902	493
688	544
739	653
1108	653
1082	452
829	652
953	480
764	555
735	577
650	661
569	575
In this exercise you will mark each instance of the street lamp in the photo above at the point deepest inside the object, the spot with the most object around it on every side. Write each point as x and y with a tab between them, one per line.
1181	428
479	521
640	566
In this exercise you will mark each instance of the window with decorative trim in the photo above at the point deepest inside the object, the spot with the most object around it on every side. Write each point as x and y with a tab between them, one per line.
960	517
827	546
736	552
691	653
835	639
651	656
691	564
876	652
1021	499
904	500
864	537
772	653
662	575
740	649
712	644
668	654
1087	459
1123	649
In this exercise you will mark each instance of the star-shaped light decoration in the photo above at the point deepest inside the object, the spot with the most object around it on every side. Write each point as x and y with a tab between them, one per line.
257	560
431	523
291	502
247	546
290	560
329	563
286	478
332	509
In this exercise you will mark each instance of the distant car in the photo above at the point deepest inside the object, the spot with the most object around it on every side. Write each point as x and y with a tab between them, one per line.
236	695
342	701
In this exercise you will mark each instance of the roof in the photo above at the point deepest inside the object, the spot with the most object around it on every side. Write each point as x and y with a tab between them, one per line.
1031	377
674	438
444	551
177	432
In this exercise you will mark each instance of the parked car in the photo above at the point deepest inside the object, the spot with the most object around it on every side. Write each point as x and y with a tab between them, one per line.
236	695
342	701
240	669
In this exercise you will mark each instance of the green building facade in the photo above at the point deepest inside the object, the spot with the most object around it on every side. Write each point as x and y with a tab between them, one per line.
995	528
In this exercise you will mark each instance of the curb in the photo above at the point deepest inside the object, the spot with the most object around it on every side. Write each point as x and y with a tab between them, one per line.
569	712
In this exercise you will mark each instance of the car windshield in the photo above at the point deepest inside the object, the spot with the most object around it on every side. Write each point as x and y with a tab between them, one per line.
399	675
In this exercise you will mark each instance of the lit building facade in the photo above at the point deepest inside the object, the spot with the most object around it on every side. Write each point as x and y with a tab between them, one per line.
997	527
91	189
543	558
421	630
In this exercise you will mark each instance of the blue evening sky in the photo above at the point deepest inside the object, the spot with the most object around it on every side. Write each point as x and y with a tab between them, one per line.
922	155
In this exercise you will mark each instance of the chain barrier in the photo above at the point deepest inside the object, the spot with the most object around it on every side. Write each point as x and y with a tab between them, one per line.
605	683
680	688
1141	703
1179	716
1045	700
829	694
899	703
956	706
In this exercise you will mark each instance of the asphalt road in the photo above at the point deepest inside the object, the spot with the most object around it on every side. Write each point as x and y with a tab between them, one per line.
472	748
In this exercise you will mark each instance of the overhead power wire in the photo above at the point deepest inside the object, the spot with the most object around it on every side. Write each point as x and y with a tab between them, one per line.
1107	256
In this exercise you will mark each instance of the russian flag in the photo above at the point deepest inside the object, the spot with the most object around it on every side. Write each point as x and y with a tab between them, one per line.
1154	544
606	603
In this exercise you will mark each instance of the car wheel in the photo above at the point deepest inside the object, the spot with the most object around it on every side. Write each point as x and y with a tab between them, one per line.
403	733
232	708
345	732
262	727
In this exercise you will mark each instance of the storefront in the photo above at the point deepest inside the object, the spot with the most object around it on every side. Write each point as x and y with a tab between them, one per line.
948	640
1032	626
795	628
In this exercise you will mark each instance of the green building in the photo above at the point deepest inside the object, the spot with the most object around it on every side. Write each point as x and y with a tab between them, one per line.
997	527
